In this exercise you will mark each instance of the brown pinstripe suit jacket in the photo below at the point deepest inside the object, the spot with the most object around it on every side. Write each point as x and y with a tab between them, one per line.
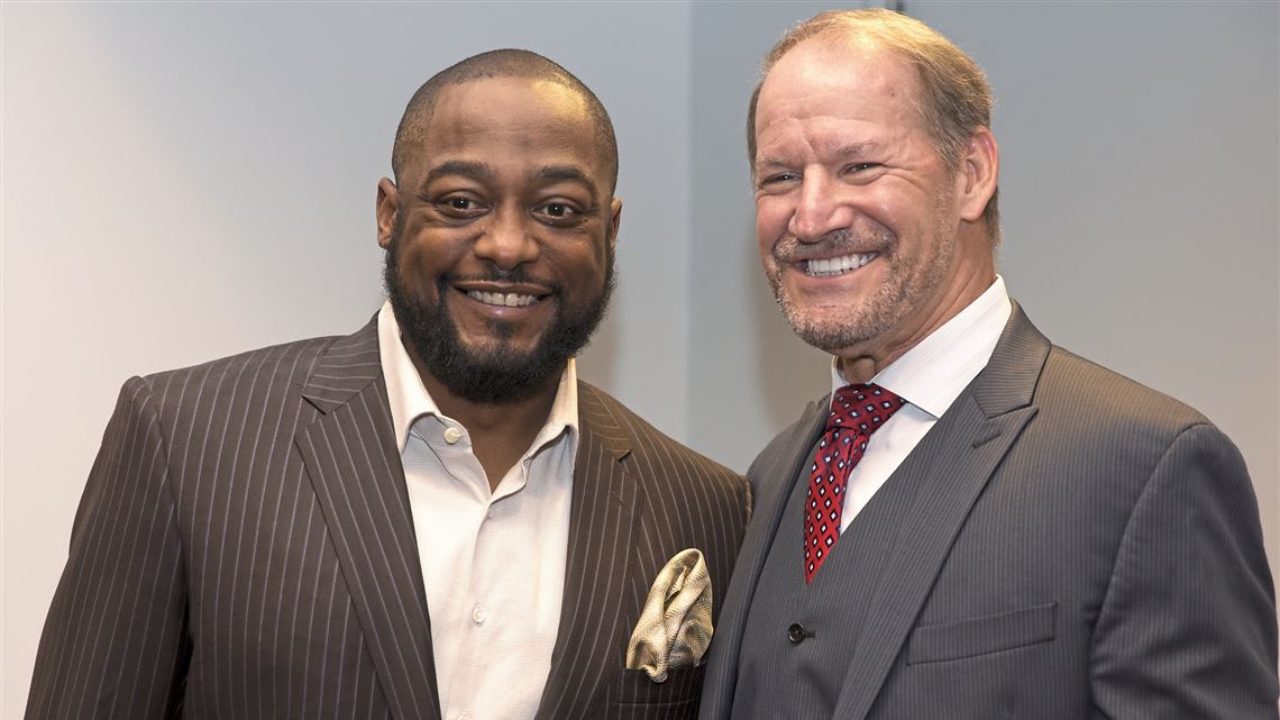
244	549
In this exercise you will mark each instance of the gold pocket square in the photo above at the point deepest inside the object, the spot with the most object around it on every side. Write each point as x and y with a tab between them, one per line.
675	624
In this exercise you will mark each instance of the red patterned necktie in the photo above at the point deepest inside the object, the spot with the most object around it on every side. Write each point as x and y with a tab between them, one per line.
856	411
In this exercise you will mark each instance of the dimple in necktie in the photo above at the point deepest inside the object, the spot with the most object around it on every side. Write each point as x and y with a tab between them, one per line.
856	411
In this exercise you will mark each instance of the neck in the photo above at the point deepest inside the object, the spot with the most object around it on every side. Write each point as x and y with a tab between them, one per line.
859	363
500	432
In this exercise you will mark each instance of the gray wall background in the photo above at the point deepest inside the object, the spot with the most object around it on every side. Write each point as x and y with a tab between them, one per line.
185	181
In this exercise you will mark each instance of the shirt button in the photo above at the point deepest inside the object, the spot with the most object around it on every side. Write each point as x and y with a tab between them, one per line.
479	614
452	435
796	634
491	514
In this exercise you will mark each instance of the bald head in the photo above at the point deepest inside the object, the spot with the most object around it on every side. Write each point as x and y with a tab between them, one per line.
525	64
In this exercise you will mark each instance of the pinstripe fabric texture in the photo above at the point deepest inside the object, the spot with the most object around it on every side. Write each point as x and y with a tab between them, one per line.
1080	547
244	549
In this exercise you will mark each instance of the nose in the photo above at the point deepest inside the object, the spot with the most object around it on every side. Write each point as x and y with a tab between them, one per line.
506	241
819	209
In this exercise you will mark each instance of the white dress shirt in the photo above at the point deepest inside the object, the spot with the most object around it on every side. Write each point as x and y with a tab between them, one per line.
493	562
929	377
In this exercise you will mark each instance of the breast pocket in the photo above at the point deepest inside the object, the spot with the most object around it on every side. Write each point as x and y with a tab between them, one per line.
982	635
676	698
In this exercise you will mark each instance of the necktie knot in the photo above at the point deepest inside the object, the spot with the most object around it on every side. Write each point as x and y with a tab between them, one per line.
862	407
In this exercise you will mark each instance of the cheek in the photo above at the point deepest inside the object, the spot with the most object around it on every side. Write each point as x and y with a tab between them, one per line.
772	216
421	264
582	261
594	254
907	206
765	243
881	208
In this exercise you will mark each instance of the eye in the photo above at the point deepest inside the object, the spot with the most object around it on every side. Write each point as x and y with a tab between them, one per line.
861	167
558	213
459	206
779	178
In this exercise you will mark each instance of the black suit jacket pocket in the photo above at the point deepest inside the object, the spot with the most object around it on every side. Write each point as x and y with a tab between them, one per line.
673	699
982	635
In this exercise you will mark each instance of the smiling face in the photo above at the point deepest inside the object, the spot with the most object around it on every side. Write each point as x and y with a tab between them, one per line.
500	237
865	234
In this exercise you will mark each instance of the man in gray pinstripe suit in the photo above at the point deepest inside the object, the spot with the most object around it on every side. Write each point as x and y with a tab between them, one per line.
976	524
430	518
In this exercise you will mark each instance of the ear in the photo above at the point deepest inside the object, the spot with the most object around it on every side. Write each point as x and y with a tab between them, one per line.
386	209
979	173
615	220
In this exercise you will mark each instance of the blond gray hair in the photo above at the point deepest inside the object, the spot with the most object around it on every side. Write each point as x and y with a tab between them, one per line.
955	97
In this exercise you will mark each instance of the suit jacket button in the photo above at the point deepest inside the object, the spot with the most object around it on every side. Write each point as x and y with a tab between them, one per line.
796	634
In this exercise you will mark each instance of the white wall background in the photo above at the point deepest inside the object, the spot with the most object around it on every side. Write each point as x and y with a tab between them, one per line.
185	181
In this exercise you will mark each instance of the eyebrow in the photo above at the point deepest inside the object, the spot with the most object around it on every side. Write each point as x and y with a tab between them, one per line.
765	163
567	173
465	168
481	172
841	151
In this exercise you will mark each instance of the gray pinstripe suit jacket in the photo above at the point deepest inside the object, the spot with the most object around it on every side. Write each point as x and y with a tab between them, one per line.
244	549
1081	547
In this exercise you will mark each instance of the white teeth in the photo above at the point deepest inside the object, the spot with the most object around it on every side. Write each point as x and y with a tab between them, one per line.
502	299
836	266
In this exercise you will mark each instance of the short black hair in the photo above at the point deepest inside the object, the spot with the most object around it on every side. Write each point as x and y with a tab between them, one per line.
505	63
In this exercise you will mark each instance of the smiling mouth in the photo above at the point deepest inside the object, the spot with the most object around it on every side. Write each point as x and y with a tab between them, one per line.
503	299
830	267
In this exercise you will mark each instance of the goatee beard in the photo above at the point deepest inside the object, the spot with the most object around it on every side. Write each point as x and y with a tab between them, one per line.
497	374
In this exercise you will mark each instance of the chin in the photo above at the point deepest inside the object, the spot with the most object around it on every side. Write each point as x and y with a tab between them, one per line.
501	346
832	329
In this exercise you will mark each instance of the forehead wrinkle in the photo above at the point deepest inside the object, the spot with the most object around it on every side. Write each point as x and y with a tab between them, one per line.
875	70
825	145
852	149
478	106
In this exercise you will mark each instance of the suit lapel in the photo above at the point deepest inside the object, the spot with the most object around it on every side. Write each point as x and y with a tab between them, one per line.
354	465
774	484
953	464
604	506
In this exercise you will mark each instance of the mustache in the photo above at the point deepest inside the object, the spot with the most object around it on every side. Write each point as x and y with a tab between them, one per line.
517	275
842	241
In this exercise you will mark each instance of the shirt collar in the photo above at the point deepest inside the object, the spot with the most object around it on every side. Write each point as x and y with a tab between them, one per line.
933	373
410	400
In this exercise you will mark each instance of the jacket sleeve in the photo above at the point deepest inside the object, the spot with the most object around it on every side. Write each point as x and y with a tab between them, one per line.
1188	625
115	641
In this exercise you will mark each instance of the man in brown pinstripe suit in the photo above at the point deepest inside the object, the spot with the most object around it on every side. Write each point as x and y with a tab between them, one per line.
430	518
975	524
